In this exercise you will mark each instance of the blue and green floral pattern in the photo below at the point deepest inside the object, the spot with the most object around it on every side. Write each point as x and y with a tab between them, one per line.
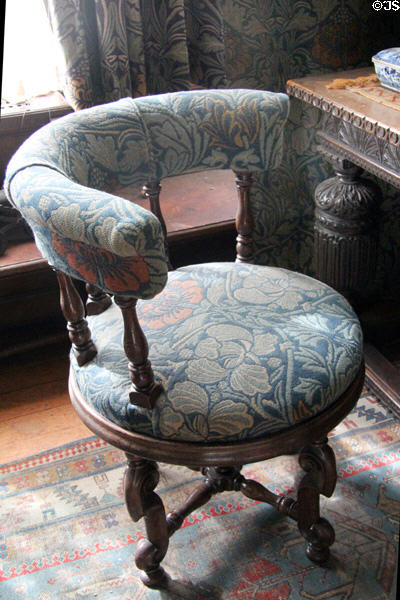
118	48
267	43
241	350
62	177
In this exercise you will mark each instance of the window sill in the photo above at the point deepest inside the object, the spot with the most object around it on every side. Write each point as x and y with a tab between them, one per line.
39	111
18	123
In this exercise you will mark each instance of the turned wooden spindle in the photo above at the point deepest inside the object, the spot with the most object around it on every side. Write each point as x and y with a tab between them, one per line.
200	495
244	219
145	391
97	300
152	191
74	313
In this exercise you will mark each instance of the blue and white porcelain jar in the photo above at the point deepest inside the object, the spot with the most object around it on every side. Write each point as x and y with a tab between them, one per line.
387	68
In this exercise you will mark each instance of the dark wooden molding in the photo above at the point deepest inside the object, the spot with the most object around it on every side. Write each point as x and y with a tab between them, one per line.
382	378
338	139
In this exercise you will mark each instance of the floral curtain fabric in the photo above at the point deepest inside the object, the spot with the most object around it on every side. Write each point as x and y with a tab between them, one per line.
118	48
152	46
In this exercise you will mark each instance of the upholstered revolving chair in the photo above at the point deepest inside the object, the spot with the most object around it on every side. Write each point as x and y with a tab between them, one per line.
211	366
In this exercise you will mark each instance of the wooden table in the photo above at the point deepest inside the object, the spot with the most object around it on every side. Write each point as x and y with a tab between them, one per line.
356	134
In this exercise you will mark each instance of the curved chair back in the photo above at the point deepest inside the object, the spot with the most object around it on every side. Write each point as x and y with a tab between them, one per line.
62	178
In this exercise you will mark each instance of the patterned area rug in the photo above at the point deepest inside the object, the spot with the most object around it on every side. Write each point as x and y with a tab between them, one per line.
65	533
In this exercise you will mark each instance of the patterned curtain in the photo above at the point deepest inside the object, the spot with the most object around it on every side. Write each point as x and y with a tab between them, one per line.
118	48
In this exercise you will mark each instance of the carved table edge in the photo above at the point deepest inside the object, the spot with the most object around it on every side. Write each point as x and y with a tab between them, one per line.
341	112
333	149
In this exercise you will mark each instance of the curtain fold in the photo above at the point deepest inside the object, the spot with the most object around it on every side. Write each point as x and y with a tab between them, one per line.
118	48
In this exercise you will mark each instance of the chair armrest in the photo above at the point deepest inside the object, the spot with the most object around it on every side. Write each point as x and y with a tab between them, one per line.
89	234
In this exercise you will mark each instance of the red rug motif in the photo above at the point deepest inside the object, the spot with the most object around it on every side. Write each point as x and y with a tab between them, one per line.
65	532
378	93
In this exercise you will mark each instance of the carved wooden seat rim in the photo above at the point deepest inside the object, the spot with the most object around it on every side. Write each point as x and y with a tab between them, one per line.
289	440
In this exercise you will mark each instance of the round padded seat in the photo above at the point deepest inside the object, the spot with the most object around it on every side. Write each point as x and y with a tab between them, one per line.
266	346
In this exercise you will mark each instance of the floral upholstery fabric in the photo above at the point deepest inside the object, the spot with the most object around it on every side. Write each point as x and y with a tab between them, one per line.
242	351
139	140
62	178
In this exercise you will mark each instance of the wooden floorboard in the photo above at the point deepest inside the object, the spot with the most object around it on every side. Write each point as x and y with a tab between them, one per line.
35	411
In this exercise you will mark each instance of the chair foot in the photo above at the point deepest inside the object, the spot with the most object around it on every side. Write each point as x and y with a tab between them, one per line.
318	461
157	579
323	536
141	477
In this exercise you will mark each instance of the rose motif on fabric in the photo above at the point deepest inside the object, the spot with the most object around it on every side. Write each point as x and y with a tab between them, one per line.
278	290
96	265
175	303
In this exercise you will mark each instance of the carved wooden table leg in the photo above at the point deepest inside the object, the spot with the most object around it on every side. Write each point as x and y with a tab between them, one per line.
319	463
345	230
97	301
141	477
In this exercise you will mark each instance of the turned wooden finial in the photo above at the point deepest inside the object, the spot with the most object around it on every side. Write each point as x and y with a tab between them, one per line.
244	219
74	313
152	191
145	390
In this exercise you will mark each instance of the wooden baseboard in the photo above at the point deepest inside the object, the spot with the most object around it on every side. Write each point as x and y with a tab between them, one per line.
382	378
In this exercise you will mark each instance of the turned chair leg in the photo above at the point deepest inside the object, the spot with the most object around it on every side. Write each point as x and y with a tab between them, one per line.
318	461
141	477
